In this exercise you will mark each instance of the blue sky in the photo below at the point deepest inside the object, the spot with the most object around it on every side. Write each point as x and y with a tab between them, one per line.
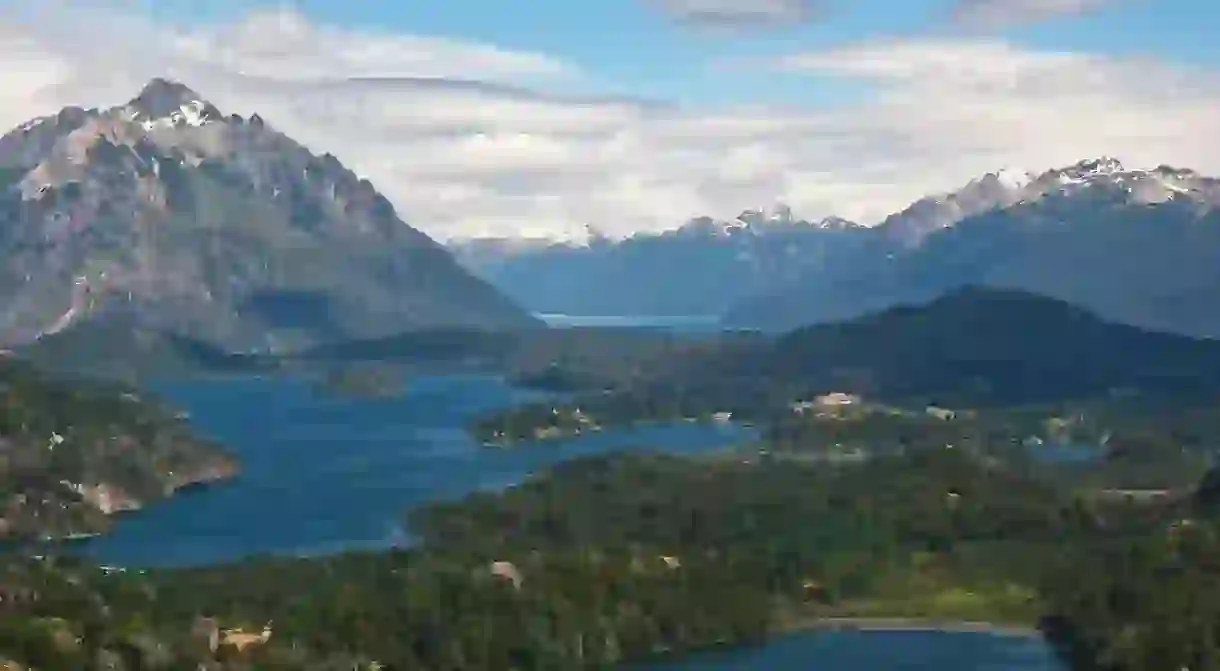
1182	30
631	47
855	111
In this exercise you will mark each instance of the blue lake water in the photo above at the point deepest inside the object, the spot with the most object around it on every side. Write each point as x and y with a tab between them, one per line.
323	474
879	651
1065	453
679	324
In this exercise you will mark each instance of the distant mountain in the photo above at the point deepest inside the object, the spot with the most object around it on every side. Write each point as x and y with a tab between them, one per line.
973	346
183	219
926	216
701	268
1136	246
484	254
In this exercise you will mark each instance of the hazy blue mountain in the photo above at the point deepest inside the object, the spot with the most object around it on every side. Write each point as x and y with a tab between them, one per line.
1135	246
183	219
701	268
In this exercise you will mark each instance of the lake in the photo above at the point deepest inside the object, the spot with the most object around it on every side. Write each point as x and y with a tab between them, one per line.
689	325
324	474
879	651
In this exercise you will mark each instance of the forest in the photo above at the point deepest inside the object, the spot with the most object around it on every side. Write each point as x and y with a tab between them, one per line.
609	559
975	349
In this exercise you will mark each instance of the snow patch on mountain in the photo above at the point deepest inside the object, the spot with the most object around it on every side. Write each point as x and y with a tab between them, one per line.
194	113
763	221
1014	179
1010	186
32	124
1140	185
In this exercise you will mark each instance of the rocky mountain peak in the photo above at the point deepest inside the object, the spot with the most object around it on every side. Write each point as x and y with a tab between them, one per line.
1132	185
164	102
199	224
763	221
779	214
1095	167
1104	175
837	224
1008	178
1101	170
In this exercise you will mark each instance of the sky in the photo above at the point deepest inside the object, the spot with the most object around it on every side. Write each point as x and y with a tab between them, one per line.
497	118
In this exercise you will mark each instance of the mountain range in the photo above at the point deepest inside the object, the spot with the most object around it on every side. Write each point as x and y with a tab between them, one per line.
167	214
699	269
1135	246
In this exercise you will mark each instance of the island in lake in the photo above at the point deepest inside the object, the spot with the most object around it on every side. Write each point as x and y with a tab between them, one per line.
363	381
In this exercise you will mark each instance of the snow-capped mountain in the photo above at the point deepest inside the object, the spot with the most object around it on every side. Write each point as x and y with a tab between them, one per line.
1101	178
1135	245
699	268
166	212
777	220
167	104
930	214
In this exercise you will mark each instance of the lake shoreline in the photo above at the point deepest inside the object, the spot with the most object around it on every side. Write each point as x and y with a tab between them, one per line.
908	624
544	435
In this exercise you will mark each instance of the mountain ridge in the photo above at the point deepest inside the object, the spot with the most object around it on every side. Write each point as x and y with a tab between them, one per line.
1073	232
1137	246
971	345
1009	187
699	268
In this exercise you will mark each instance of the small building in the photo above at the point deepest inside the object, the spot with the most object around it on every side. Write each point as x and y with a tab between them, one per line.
836	399
508	571
814	591
241	639
940	413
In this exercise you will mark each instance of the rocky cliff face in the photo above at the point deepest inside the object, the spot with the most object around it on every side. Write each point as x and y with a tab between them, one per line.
216	226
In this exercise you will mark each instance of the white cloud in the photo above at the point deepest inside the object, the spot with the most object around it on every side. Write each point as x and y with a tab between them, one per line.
996	13
489	155
739	13
279	43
